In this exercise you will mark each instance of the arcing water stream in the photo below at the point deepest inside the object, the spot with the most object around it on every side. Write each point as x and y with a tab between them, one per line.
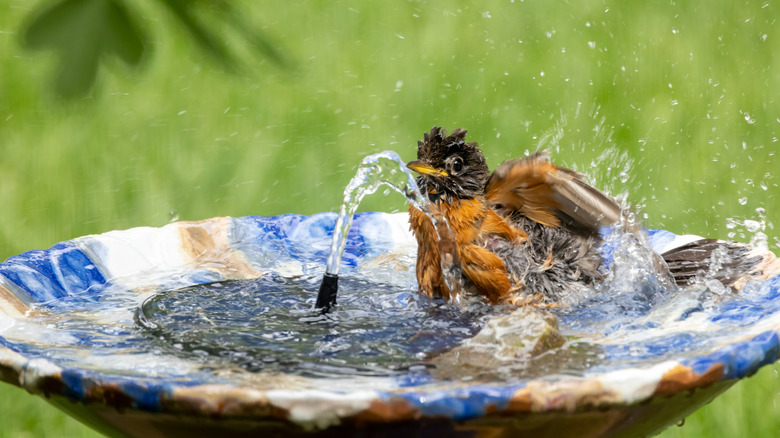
384	168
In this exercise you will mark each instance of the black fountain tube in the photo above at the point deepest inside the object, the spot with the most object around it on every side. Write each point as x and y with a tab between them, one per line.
326	297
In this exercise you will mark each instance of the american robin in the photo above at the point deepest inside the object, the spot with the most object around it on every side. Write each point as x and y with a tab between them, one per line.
524	234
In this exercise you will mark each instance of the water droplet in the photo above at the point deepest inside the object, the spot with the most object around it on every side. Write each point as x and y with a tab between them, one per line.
592	44
760	241
681	423
713	285
742	201
753	226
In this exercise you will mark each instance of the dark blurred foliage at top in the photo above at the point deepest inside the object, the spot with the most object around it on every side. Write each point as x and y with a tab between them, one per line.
85	32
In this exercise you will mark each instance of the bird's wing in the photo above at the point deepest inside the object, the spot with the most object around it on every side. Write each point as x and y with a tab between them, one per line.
550	195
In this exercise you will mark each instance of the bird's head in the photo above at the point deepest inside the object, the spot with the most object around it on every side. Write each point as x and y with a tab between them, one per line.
448	166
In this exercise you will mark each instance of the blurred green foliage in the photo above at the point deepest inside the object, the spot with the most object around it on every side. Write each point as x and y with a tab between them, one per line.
83	32
674	104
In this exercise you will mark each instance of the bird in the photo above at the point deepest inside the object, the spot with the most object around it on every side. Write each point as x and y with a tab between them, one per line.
524	234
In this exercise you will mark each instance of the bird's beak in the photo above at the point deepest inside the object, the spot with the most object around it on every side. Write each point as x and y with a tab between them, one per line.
425	169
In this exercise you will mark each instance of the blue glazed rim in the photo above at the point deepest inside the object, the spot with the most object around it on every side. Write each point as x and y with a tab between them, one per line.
182	254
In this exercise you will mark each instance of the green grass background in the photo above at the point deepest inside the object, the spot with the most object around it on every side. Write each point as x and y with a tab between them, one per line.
673	103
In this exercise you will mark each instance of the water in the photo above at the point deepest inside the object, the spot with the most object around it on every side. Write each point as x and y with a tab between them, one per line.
384	168
267	325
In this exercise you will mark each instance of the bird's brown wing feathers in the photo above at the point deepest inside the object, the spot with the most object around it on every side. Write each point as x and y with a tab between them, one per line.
550	195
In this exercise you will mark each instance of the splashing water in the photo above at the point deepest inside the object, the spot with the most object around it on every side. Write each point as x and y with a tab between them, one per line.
754	229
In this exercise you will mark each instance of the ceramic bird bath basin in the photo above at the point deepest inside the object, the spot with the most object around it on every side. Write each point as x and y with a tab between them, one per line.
208	329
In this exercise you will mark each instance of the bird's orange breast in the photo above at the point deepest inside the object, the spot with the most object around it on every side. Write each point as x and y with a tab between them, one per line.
464	229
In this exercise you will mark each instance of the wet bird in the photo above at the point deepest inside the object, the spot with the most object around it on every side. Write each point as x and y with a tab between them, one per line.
523	234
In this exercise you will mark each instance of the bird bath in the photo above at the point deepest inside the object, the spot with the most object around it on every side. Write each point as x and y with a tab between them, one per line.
204	328
85	325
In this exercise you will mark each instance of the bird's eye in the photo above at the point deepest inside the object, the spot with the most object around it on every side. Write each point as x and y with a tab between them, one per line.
457	165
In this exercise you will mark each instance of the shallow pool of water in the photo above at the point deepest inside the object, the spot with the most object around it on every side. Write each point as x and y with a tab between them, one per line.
268	324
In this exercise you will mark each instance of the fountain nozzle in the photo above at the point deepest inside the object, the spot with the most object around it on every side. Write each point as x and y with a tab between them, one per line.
326	298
